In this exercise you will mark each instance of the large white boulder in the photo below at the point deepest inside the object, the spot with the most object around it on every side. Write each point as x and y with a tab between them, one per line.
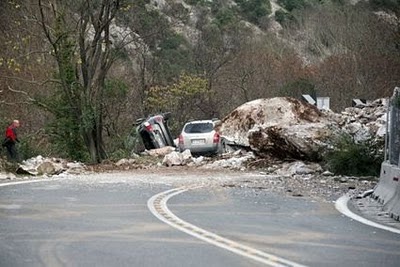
283	127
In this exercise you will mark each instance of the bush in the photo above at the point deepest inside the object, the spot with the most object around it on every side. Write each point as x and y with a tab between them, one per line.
30	145
254	10
283	17
393	5
124	146
291	5
224	17
354	158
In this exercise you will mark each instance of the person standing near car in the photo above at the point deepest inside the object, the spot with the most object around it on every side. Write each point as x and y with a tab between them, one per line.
11	139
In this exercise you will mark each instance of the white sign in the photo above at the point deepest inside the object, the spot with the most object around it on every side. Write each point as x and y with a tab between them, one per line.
309	99
323	103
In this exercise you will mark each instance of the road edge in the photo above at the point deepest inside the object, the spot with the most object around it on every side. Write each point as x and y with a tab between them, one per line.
341	206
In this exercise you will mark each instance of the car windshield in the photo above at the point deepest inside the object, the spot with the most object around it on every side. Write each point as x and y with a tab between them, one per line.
204	127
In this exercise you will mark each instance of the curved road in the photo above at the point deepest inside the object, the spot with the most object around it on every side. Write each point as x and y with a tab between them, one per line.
118	221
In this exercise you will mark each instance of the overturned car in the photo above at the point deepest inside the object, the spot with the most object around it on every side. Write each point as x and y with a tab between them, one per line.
154	131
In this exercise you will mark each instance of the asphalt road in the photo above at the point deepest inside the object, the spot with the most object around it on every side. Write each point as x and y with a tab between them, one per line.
87	222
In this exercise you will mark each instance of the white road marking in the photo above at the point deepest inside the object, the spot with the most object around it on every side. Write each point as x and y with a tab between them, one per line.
25	182
157	204
341	206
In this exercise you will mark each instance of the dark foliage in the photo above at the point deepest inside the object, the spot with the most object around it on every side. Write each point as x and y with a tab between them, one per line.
354	158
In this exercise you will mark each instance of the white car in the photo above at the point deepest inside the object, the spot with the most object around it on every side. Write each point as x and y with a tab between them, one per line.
200	137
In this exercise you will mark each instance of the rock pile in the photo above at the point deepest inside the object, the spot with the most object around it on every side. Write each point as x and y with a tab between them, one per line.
288	128
49	166
366	121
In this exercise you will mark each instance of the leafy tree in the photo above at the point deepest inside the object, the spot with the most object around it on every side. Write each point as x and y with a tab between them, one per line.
184	99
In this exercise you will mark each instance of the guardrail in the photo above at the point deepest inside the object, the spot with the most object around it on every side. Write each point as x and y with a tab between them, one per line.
387	192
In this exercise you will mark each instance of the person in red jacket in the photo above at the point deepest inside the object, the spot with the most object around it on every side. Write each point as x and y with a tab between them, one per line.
11	139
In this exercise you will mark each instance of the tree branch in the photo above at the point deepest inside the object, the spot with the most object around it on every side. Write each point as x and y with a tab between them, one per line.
15	78
30	100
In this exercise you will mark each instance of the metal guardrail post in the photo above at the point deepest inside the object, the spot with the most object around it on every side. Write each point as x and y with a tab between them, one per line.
387	133
394	127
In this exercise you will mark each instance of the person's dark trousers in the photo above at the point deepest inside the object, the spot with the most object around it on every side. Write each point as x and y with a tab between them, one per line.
12	152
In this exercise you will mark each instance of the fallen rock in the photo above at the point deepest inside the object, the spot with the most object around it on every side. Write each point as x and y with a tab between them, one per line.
236	163
298	168
158	152
125	162
283	127
173	159
7	176
48	166
288	128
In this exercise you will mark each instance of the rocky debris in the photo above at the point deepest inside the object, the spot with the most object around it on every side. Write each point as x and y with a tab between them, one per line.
366	121
159	152
49	166
288	128
124	161
176	158
234	161
305	179
309	185
296	179
7	176
297	168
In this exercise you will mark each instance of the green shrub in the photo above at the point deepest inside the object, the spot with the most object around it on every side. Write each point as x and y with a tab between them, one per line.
393	5
196	2
253	10
32	145
224	17
124	146
283	17
26	149
354	158
290	5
